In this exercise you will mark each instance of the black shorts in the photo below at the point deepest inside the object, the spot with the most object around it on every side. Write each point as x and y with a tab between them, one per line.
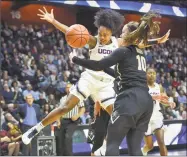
98	127
137	105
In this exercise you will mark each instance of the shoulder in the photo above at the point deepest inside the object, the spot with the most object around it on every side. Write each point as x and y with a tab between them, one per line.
123	50
36	105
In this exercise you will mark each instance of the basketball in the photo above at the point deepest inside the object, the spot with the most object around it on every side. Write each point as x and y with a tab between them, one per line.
77	36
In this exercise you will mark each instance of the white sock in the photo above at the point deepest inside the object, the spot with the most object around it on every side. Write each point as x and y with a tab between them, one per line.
39	126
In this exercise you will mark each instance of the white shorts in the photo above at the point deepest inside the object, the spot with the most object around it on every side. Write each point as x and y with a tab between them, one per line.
99	89
155	123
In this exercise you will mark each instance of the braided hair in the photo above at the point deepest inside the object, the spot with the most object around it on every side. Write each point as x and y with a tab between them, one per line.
146	27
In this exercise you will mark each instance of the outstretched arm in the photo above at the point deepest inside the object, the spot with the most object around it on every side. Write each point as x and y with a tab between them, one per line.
49	17
165	99
118	55
110	72
151	42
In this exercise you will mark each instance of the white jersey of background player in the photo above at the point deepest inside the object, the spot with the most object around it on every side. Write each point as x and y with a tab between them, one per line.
156	121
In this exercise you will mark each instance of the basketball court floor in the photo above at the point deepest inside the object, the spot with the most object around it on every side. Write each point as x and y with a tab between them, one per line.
179	152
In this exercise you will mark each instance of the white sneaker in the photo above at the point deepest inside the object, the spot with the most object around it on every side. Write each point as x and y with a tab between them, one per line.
101	151
29	135
144	153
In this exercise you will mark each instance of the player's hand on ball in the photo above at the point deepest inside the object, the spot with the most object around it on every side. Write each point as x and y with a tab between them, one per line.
164	38
44	15
72	54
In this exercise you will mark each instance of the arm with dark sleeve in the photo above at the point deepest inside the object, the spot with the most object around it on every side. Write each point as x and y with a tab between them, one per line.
118	55
17	112
40	113
110	72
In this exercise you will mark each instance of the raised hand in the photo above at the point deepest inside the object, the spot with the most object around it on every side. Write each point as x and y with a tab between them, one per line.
45	15
164	38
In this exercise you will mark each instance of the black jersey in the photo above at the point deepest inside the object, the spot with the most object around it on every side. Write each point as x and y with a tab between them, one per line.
130	69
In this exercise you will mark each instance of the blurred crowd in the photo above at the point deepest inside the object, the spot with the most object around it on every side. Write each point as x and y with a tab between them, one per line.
36	62
170	61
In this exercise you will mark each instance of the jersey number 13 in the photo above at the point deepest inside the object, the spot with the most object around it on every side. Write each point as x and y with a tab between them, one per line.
141	63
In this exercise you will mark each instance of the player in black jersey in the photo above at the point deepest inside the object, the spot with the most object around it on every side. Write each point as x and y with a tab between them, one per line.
133	106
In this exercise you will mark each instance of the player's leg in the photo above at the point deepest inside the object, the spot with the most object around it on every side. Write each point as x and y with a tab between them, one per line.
118	128
134	140
106	95
77	93
70	103
136	135
148	140
148	144
159	133
143	124
109	109
160	139
100	130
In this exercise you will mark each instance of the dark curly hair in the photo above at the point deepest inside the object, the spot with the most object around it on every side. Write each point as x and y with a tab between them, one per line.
146	27
109	19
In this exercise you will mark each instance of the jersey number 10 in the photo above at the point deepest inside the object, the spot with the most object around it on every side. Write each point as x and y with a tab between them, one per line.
141	62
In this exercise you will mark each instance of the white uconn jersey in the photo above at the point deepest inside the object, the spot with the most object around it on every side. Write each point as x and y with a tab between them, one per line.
101	51
155	91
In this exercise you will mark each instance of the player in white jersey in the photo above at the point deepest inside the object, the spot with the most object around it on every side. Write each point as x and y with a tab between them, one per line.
156	121
96	84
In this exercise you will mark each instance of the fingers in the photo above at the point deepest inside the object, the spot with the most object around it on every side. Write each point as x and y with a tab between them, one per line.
40	15
41	11
52	11
45	10
42	18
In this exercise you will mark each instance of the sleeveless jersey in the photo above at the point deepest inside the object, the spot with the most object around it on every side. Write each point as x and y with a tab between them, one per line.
101	51
154	91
